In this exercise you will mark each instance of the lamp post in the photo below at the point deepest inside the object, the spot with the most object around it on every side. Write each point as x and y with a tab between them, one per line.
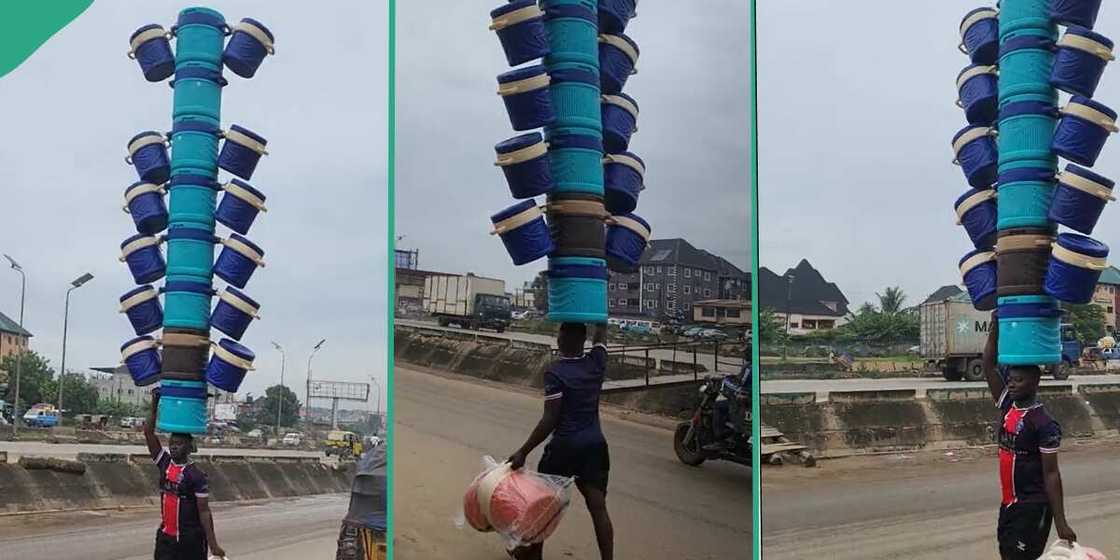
373	381
307	404
789	296
19	356
77	283
280	400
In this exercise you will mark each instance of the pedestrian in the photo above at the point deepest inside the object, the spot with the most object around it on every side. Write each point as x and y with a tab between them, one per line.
577	448
1029	439
186	529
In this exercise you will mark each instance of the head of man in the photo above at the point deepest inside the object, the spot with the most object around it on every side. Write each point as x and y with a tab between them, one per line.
571	339
1022	382
180	446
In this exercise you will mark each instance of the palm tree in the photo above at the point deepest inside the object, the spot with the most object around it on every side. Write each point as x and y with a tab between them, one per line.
890	301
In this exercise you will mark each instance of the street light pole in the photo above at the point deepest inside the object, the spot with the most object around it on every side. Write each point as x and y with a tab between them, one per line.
307	404
280	400
19	356
77	283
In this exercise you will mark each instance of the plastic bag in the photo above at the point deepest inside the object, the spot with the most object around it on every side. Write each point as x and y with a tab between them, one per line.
522	506
1064	550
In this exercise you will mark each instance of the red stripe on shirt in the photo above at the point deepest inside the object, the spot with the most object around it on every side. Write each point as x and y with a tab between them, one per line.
1007	456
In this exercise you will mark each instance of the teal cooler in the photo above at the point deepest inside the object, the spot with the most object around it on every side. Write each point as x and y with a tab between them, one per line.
1026	129
1029	331
198	93
200	35
1024	66
1024	197
190	251
194	147
186	303
577	290
573	34
576	158
193	198
182	407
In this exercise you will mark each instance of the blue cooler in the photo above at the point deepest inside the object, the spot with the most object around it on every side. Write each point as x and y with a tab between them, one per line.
1075	12
198	93
145	261
618	59
575	97
520	28
572	30
241	151
240	205
1076	263
523	231
978	93
525	94
524	161
228	365
615	14
1083	130
619	114
144	202
977	155
192	200
1026	129
1080	61
980	36
978	269
1024	66
1079	198
190	251
141	306
182	407
194	147
624	178
238	260
627	239
187	304
1024	197
577	290
199	37
976	211
150	46
250	43
141	358
234	312
576	161
1029	331
147	152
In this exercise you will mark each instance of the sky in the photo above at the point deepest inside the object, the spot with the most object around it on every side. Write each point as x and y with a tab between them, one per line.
321	102
692	86
856	115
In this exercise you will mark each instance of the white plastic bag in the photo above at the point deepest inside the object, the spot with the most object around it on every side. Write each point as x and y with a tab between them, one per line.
522	506
1065	550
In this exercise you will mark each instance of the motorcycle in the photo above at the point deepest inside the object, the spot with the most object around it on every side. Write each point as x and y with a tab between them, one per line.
695	441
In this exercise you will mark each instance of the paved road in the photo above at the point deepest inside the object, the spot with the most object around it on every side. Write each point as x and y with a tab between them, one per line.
660	508
824	386
298	529
884	508
70	450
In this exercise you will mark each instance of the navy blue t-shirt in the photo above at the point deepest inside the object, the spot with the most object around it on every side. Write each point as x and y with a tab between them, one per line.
577	382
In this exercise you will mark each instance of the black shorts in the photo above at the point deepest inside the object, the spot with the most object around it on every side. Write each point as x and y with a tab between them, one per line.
1023	530
189	546
590	464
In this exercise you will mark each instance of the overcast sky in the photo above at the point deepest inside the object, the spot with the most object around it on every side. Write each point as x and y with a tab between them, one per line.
321	102
856	115
692	87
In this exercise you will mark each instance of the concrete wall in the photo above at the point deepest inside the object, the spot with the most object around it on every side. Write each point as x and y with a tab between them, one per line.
112	480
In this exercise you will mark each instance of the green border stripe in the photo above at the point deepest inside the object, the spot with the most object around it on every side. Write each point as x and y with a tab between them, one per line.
391	280
26	25
756	390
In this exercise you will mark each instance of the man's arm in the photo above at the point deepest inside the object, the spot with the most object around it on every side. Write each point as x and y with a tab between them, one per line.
207	519
991	353
154	446
1054	493
599	333
548	422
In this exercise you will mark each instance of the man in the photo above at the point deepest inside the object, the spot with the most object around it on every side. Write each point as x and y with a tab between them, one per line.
571	416
1028	460
737	391
186	531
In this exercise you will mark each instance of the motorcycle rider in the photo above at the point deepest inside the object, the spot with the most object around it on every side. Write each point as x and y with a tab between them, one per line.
737	391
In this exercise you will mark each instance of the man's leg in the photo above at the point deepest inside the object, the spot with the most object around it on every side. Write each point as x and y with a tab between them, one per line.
596	500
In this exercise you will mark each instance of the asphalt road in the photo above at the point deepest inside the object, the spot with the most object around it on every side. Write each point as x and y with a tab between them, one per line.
297	529
15	449
926	507
660	508
921	384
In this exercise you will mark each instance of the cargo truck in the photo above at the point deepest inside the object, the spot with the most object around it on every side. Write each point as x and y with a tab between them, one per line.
953	335
471	302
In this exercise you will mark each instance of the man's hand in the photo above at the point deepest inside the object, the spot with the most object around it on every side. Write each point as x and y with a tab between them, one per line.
517	460
1065	532
218	551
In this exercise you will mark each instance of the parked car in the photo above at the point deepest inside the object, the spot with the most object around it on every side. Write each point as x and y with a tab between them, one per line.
712	334
255	433
692	332
292	439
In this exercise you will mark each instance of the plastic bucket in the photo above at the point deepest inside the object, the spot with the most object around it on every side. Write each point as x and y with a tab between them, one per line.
1083	130
572	30
192	200
575	97
520	28
980	35
1029	331
976	211
241	151
145	261
1022	255
150	46
976	154
238	260
190	251
185	352
186	304
141	306
978	269
1079	198
1020	13
627	238
619	114
147	153
512	501
524	161
525	94
194	147
234	312
198	93
577	290
615	14
1080	60
1026	129
576	161
228	365
1076	263
1075	12
624	178
199	35
1024	66
141	357
182	407
618	59
144	202
576	221
250	43
240	205
978	93
1024	197
523	231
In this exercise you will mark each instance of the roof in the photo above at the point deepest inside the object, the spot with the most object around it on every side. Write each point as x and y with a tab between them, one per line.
677	251
808	294
11	327
724	303
1110	275
943	293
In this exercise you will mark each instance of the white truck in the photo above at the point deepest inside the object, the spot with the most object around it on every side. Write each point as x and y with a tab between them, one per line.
469	301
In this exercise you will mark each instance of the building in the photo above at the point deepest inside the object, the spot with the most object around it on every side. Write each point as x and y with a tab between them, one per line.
723	312
671	277
115	384
1107	297
802	297
13	338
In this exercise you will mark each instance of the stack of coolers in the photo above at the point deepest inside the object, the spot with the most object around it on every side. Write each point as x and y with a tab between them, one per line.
180	359
580	163
1020	264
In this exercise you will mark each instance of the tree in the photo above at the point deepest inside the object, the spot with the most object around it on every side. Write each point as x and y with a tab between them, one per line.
35	374
891	300
79	395
872	326
118	409
771	328
1088	322
265	408
540	291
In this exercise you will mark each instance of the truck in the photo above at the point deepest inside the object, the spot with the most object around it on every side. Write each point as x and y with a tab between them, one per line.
953	335
41	416
469	301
